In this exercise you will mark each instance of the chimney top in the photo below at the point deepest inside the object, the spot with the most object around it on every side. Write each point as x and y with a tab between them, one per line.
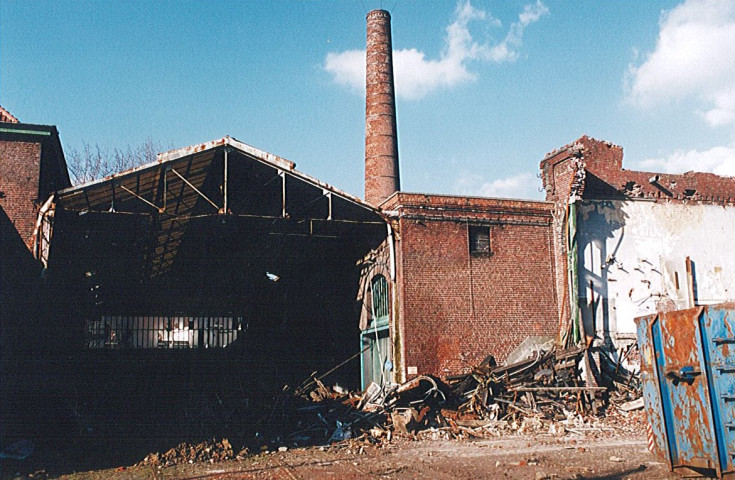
379	13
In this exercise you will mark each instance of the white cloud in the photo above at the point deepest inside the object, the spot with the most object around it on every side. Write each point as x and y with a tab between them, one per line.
524	185
416	76
347	68
692	60
719	160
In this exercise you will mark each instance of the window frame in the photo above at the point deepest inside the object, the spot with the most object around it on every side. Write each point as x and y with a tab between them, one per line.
379	301
474	236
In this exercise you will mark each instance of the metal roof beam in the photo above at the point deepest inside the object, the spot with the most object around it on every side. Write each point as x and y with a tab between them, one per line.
196	190
159	209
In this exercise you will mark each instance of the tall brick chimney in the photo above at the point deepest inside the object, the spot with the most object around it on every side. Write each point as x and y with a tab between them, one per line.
381	137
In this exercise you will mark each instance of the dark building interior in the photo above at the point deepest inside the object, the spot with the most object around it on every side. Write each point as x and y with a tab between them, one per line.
183	295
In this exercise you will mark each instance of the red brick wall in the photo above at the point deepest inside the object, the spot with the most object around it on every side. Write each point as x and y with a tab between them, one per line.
19	181
456	308
558	172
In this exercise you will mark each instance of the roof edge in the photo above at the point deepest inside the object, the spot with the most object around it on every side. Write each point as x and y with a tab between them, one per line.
19	128
470	197
261	155
229	141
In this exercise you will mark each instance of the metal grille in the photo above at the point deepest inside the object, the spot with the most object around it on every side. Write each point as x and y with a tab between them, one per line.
379	286
111	331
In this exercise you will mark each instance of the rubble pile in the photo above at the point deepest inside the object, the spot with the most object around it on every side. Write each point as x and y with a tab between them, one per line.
625	386
542	393
546	383
208	451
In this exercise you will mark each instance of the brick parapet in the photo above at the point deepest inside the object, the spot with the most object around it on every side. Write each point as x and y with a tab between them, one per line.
605	178
446	207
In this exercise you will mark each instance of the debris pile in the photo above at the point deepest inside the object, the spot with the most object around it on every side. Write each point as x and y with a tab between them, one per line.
208	451
544	392
547	383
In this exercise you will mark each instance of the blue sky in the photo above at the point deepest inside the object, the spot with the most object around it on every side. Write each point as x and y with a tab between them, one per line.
485	88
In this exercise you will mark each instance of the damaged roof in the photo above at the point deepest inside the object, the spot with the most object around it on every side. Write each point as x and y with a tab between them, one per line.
198	156
599	174
6	116
224	198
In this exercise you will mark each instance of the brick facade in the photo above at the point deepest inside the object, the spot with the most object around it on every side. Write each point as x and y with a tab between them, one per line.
20	164
456	307
32	166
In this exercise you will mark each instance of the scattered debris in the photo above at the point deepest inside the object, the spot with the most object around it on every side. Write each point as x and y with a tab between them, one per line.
546	383
636	404
209	451
543	394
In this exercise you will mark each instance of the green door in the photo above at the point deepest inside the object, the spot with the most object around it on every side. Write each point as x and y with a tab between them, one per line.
375	340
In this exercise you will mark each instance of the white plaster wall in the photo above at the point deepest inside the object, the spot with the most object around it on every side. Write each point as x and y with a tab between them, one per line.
632	260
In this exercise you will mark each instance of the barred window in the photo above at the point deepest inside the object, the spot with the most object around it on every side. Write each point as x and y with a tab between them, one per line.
381	306
120	331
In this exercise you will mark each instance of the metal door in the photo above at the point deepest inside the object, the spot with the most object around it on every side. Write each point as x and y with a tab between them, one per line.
376	355
717	327
684	392
689	385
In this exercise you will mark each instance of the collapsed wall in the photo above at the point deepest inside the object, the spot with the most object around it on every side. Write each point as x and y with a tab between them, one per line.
635	243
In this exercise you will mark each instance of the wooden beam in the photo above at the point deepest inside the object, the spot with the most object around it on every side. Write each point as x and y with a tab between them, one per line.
690	283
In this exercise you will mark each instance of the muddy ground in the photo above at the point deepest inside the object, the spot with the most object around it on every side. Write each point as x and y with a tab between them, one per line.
530	456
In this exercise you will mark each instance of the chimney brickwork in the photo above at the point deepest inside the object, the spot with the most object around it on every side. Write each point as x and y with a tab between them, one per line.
381	138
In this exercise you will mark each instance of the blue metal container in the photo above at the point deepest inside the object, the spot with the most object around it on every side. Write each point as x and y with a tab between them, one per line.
688	376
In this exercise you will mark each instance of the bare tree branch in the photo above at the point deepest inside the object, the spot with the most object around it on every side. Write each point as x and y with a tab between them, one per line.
90	163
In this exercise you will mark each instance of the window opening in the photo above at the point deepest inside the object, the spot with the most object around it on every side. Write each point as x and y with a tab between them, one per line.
380	302
479	240
143	332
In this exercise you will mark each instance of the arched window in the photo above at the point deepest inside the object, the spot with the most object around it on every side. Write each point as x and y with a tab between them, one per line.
380	300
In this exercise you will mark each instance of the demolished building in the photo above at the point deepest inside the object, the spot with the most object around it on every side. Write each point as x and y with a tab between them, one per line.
218	245
217	272
635	243
221	260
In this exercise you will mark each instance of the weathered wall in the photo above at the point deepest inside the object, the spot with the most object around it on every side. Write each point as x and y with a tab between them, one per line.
564	174
636	230
632	258
457	307
19	180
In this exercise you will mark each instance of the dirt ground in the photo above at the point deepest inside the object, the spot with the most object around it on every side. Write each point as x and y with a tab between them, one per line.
530	456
